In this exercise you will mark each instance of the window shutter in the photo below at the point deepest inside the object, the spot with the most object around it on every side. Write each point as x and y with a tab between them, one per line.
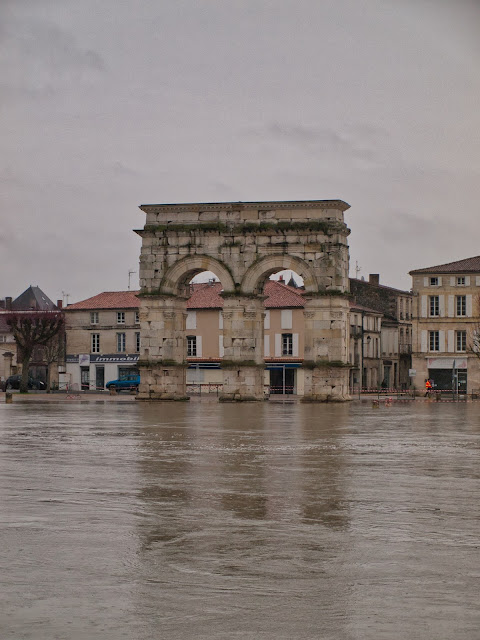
439	281
424	342
452	281
424	307
477	281
451	306
266	322
191	320
286	319
266	346
278	345
441	306
441	340
220	319
451	341
295	344
425	282
469	306
221	350
467	281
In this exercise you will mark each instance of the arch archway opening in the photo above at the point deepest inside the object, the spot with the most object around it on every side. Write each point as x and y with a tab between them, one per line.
298	271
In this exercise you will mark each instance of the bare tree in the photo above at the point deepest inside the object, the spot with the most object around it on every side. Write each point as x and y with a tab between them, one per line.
31	329
53	351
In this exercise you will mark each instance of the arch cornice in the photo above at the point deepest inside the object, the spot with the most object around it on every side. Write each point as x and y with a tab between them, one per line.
176	274
258	272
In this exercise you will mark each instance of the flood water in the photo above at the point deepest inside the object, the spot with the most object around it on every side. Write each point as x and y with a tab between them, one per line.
213	521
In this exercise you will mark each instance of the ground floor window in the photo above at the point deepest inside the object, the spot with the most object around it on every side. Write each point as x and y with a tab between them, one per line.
85	378
127	373
445	379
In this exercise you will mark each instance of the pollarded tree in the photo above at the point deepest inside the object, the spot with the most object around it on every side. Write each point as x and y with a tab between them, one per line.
31	329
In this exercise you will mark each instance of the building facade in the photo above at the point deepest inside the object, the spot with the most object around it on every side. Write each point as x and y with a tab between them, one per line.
446	320
47	360
395	306
365	349
102	340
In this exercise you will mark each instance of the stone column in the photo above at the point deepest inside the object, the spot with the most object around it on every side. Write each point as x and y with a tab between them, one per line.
326	349
243	365
162	360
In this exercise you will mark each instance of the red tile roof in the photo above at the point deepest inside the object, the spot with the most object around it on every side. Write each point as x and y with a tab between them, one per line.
204	295
278	296
468	265
109	300
281	296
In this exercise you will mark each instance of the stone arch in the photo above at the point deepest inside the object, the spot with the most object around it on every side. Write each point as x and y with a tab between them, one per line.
182	271
258	273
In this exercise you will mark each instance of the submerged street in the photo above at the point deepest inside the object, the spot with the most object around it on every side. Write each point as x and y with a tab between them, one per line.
255	521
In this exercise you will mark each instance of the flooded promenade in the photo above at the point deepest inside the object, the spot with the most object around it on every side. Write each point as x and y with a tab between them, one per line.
123	520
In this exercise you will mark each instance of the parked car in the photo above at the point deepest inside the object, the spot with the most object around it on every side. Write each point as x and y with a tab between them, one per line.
13	382
124	383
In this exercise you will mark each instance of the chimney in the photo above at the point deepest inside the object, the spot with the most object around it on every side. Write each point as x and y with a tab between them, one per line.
374	278
8	304
59	304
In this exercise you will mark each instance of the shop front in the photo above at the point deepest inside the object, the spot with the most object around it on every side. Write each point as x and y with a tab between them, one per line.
91	372
448	374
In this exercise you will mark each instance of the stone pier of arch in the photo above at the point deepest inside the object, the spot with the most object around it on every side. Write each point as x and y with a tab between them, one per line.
243	244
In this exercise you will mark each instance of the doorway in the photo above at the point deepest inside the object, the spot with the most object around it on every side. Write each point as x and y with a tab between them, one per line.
282	380
99	377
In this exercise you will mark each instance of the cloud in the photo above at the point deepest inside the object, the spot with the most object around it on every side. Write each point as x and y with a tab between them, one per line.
362	143
39	57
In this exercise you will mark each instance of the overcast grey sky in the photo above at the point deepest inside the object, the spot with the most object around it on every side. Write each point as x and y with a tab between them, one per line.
107	105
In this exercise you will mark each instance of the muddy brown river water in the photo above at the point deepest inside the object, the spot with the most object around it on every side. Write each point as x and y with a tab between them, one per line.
264	522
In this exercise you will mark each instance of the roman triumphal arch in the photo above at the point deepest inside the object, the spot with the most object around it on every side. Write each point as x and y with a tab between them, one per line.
243	243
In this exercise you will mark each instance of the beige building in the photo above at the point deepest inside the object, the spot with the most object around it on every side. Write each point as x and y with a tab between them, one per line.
446	314
283	347
103	340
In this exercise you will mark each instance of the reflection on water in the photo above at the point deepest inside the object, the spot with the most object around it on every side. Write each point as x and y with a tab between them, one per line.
202	520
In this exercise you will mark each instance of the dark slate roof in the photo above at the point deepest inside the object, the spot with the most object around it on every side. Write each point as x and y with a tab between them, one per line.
33	299
380	286
468	265
358	307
